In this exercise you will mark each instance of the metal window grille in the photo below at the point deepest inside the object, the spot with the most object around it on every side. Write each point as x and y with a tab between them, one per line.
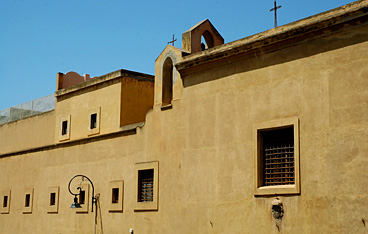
146	185
278	157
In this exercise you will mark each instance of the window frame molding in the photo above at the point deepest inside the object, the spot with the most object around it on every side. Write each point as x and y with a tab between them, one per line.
260	190
53	208
66	136
116	207
96	130
5	210
28	209
147	206
84	207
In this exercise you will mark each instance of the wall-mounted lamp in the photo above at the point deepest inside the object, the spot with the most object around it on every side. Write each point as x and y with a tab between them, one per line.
75	204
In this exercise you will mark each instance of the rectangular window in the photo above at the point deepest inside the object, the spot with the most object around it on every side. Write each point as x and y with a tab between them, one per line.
53	202
147	183
93	121
28	200
115	195
64	128
5	202
145	180
277	157
82	197
52	199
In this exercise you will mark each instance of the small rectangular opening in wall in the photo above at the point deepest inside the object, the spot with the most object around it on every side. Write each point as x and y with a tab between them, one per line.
5	202
82	197
115	195
64	127
27	201
93	121
145	180
52	199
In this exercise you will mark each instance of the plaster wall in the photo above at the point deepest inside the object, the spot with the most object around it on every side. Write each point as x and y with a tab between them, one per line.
107	96
31	132
136	100
205	149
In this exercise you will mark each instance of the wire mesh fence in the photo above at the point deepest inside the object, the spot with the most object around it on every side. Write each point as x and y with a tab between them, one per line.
27	109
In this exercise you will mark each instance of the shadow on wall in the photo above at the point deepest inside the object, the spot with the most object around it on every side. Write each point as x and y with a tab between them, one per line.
271	55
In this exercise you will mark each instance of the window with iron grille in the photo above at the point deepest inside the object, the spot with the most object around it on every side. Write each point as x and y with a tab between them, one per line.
277	156
145	180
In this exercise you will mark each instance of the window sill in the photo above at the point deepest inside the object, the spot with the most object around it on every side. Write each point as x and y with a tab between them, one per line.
166	107
277	190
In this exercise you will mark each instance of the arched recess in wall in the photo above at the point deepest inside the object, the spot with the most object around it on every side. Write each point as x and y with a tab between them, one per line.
208	38
167	81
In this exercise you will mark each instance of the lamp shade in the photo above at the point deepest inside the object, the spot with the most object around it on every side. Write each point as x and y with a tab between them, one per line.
75	204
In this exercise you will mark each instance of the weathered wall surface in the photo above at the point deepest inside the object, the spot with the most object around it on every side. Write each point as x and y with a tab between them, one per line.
205	149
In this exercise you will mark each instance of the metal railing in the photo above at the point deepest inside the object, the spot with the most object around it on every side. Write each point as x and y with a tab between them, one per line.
27	109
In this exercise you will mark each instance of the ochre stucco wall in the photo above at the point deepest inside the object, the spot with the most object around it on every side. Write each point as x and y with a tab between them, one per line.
27	133
106	96
136	100
205	149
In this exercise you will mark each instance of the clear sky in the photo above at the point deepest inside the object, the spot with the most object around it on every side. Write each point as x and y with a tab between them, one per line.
39	38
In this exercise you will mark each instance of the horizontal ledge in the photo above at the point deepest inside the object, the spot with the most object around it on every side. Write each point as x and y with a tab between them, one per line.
124	131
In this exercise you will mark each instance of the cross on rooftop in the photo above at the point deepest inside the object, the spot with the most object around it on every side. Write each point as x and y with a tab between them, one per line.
173	40
275	9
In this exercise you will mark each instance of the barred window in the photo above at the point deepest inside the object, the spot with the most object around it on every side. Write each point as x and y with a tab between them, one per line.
145	180
277	157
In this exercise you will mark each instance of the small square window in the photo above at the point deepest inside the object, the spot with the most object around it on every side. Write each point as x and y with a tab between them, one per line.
64	128
117	195
93	121
53	202
277	157
146	186
5	202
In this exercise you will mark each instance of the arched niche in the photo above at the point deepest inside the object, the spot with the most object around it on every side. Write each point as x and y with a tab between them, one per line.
167	81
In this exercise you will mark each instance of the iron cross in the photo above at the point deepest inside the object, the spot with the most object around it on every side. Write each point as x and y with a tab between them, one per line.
275	9
173	40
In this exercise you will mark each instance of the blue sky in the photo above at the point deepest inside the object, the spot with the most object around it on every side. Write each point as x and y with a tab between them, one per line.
39	38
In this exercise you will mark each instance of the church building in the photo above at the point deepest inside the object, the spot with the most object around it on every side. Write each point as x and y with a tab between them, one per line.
265	134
